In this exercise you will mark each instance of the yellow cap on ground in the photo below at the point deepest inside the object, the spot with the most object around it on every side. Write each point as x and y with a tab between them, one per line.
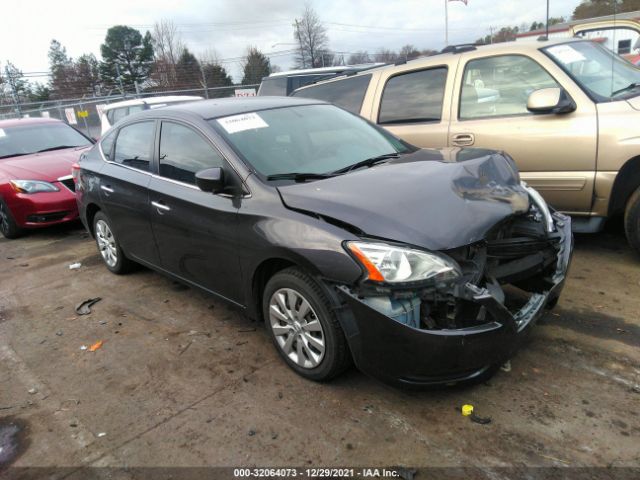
467	410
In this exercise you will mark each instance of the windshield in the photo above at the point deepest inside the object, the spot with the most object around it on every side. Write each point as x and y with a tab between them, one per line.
313	139
602	73
26	139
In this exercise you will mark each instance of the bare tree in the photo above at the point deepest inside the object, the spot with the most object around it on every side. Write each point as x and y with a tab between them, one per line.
311	36
168	47
385	55
408	52
359	57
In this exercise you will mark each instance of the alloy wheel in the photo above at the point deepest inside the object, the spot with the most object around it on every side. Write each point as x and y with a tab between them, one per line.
296	327
106	243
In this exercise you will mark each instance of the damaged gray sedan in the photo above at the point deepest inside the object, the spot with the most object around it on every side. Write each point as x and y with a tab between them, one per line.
421	266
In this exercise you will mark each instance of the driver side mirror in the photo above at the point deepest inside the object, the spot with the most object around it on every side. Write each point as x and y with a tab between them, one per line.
210	180
550	100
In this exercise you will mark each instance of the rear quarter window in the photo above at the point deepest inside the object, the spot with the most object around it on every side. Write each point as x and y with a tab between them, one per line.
347	93
413	97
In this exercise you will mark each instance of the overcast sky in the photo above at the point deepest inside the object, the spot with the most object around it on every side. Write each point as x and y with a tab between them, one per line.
229	26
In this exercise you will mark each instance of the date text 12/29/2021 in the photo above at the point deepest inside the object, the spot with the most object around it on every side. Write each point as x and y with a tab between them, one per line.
317	472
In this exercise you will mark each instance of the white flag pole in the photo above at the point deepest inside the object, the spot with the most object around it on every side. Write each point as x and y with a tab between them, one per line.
446	23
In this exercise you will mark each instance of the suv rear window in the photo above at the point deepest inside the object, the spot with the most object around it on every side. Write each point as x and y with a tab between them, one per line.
347	93
413	97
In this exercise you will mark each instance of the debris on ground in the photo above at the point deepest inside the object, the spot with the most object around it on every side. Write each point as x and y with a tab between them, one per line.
468	411
83	347
185	348
75	266
196	332
73	423
59	333
252	432
96	346
84	308
480	420
506	367
33	391
102	434
246	330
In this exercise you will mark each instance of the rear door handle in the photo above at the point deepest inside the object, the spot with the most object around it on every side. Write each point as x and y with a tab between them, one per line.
463	139
161	206
106	188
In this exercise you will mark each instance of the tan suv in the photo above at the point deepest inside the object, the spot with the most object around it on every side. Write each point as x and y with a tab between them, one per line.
567	111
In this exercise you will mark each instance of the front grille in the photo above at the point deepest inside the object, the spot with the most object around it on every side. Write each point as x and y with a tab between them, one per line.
47	217
68	182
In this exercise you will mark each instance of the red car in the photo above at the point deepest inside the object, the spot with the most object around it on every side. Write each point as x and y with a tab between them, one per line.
36	186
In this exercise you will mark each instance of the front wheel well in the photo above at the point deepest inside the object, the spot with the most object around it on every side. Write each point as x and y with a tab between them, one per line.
626	182
261	276
91	211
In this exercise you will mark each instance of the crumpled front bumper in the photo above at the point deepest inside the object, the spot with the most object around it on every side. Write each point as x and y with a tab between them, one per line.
409	357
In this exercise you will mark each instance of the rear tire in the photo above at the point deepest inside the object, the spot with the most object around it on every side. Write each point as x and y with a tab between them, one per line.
303	325
8	225
632	221
108	246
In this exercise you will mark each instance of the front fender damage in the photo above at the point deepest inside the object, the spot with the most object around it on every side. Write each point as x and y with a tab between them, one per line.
462	330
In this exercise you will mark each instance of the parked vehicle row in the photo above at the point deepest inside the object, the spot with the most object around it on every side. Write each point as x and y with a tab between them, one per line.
114	112
421	266
567	111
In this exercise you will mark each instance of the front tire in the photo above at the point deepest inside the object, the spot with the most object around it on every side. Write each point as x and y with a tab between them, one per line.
303	325
108	246
8	225
632	221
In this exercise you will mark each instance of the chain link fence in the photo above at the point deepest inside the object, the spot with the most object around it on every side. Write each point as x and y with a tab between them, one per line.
84	113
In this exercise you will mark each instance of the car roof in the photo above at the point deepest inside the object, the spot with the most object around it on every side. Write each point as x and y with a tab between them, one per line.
21	122
521	47
151	101
325	70
223	107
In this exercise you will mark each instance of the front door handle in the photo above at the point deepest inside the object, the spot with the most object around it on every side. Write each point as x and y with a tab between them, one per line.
161	206
106	188
463	139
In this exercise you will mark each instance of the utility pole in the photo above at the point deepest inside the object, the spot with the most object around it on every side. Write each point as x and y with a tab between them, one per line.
300	43
120	80
490	34
204	81
547	22
446	23
14	91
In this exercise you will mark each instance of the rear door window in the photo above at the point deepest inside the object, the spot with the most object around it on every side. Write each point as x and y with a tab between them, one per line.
184	152
347	93
134	145
413	97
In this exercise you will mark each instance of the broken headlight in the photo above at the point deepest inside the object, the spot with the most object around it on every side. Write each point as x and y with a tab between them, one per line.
391	264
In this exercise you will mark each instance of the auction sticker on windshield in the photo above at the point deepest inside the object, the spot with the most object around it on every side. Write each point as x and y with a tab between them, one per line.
2	134
242	122
566	54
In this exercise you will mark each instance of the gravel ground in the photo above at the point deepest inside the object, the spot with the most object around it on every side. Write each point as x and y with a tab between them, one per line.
183	380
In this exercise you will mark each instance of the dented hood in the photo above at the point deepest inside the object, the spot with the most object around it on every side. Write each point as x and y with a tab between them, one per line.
435	199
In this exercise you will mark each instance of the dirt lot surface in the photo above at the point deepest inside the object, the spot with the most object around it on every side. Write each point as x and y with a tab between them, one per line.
183	380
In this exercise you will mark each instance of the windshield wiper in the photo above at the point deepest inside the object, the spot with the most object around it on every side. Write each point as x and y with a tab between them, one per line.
629	87
368	162
299	177
59	147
